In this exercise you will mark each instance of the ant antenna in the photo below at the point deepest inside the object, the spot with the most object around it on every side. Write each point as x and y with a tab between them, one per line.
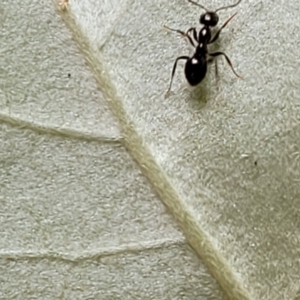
223	7
200	5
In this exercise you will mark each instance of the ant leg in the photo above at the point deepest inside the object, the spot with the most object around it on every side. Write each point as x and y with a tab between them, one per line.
228	61
219	31
216	69
217	75
174	69
185	34
193	29
211	60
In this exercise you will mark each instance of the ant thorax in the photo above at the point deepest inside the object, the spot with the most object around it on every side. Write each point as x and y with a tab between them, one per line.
204	34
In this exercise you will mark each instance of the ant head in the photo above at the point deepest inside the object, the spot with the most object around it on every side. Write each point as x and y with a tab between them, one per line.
209	19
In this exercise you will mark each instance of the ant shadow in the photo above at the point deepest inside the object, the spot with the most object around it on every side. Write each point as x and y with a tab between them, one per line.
198	96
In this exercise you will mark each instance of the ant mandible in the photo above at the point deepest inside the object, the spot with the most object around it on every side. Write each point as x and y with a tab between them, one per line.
196	66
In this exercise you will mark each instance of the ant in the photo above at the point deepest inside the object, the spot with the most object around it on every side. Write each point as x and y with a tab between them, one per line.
196	65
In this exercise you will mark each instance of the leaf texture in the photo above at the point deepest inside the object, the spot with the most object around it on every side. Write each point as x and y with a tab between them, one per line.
110	191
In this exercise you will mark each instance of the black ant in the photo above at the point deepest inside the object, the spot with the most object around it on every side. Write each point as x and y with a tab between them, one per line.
196	66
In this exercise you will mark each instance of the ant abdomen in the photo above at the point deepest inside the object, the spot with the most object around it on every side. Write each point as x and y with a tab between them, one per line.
191	70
